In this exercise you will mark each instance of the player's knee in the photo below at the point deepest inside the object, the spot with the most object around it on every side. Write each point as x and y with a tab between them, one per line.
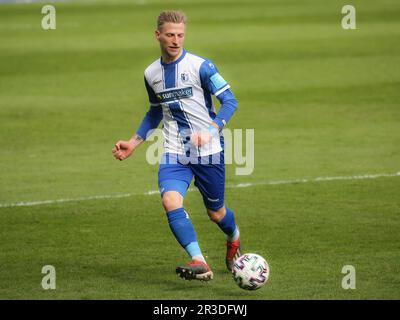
216	215
172	200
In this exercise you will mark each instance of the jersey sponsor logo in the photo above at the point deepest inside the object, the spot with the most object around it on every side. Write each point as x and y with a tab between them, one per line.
175	94
218	81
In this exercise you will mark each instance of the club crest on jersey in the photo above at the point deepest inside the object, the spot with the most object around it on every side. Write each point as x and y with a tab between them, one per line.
184	77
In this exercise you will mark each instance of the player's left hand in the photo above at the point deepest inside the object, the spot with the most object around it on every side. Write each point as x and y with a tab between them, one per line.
200	138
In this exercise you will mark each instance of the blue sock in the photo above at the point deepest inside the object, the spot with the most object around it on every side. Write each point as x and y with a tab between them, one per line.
194	251
183	230
228	225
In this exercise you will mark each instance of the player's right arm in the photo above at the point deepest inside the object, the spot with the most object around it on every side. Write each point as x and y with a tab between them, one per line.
123	149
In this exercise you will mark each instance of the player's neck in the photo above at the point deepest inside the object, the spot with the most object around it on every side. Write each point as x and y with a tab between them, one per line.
166	58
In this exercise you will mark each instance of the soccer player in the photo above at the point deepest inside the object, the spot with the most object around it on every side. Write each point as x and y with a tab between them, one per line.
179	87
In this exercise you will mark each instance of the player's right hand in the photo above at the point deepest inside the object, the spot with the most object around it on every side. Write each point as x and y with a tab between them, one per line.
122	150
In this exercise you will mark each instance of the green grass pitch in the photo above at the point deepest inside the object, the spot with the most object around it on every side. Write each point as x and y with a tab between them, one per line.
323	101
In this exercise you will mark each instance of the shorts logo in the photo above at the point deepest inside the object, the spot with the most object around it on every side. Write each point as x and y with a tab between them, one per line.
212	200
175	94
184	77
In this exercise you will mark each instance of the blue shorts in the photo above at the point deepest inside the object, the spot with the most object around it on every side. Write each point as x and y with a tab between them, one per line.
176	173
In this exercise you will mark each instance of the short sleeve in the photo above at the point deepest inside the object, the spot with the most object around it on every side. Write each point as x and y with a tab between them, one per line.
152	96
211	80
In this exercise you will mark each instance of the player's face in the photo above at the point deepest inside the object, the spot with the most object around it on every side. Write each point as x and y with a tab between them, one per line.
171	38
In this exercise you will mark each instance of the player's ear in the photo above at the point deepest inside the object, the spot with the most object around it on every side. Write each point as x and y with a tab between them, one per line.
157	34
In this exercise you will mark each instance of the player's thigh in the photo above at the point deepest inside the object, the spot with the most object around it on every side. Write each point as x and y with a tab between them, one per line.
174	176
210	179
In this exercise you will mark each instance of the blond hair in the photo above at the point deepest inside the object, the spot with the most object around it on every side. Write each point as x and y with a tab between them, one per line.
170	16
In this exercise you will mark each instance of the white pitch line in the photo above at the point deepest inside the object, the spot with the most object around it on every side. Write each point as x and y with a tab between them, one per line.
229	186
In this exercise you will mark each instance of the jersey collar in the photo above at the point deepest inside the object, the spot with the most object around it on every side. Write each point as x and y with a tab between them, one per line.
174	62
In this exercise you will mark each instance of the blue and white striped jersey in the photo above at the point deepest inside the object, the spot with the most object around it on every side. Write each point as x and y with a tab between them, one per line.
182	90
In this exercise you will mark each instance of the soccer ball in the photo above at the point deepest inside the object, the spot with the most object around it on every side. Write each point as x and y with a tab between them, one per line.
250	271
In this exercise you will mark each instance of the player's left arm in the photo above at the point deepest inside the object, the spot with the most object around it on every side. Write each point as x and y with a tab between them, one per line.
228	107
213	83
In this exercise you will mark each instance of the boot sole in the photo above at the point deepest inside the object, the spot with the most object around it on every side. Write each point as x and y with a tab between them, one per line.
188	274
